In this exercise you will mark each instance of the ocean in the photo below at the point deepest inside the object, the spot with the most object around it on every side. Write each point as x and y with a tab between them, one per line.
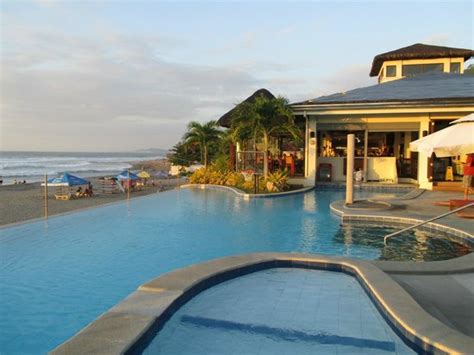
31	166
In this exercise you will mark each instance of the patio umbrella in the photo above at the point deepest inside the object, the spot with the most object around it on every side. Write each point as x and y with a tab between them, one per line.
127	175
162	174
143	174
456	139
66	179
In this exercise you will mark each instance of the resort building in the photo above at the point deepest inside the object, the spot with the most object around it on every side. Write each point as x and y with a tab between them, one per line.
418	59
421	89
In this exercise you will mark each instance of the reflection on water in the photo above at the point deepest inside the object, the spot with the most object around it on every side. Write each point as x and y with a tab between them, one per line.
416	245
309	202
309	234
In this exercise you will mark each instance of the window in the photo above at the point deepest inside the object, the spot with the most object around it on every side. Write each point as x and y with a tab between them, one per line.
416	69
334	143
391	71
381	144
455	68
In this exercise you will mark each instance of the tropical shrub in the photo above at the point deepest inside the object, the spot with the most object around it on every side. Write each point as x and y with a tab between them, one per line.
209	176
199	176
277	181
234	179
221	163
248	186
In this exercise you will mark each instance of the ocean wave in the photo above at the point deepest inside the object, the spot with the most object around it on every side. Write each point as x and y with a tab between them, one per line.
24	165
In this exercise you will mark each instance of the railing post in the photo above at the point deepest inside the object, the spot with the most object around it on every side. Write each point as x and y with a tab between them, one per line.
46	196
385	239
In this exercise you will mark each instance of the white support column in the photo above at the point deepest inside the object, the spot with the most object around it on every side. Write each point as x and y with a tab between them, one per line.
350	169
396	145
423	180
311	149
406	143
366	151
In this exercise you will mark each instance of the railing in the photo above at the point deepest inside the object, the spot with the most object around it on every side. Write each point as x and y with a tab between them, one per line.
427	221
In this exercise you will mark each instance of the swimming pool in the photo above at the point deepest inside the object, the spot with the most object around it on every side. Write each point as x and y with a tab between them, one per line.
58	276
311	312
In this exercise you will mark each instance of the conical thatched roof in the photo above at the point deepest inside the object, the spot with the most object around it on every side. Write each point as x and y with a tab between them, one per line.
418	51
226	119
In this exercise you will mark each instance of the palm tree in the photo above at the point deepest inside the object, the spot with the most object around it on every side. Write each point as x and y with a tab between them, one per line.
204	135
265	117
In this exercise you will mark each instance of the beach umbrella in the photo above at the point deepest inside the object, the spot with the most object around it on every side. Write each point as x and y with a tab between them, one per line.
162	174
456	139
143	174
127	175
66	179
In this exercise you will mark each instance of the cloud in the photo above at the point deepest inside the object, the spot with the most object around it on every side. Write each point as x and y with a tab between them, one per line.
438	39
286	30
56	87
348	78
249	40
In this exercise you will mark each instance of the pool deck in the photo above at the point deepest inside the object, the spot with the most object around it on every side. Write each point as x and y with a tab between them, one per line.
420	207
444	289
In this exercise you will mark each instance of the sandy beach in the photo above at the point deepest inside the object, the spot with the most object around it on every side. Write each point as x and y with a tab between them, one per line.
20	203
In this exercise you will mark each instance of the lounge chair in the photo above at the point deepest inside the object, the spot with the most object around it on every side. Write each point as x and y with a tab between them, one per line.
466	214
63	197
442	203
453	204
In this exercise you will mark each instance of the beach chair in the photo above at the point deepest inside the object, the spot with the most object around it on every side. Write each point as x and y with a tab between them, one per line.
63	197
442	203
466	214
453	204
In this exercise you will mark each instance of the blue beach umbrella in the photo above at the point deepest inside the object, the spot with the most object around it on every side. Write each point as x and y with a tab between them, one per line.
127	175
67	179
161	174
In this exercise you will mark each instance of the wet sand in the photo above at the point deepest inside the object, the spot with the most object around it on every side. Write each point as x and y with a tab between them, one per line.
20	203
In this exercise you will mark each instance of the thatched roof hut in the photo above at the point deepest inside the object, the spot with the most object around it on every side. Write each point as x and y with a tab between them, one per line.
226	119
419	51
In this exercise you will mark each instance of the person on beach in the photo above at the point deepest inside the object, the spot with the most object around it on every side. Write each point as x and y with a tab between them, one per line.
88	192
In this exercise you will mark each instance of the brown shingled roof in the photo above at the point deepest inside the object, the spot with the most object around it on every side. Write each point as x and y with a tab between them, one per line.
418	51
226	119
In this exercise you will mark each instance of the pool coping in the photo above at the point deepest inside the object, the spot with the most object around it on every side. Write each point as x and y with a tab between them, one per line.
246	196
130	325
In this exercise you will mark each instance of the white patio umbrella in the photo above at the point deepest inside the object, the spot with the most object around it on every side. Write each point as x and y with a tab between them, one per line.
454	140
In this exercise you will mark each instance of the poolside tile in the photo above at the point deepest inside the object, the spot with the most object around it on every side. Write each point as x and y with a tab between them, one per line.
268	325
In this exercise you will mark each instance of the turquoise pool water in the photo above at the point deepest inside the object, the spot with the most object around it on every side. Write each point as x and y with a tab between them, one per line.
280	311
57	277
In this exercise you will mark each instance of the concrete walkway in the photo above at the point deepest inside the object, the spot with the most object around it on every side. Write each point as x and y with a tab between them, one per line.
448	298
444	289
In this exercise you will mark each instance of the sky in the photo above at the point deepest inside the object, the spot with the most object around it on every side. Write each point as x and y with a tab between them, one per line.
111	75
